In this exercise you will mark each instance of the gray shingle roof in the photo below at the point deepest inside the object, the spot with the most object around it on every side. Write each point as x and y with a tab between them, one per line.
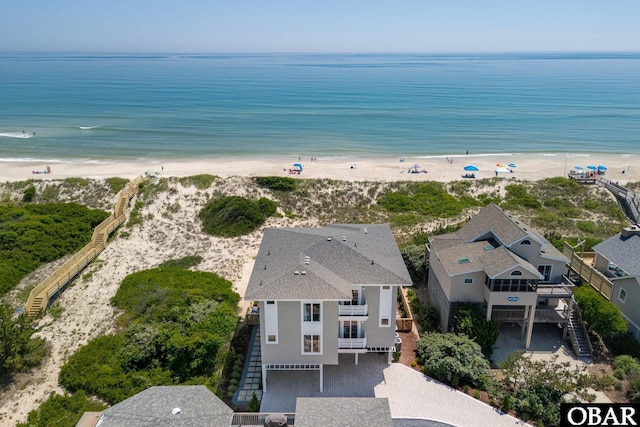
624	252
343	411
153	407
476	256
494	222
338	256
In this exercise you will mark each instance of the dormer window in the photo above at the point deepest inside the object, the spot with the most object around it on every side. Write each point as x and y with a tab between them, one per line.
526	242
516	273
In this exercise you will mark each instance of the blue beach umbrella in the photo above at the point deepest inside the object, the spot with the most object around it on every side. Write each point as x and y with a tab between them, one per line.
512	165
592	168
602	168
578	168
471	168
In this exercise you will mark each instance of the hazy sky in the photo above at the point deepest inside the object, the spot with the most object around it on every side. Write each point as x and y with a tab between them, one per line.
320	26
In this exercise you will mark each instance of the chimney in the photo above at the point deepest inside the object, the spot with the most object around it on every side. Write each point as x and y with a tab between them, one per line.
634	230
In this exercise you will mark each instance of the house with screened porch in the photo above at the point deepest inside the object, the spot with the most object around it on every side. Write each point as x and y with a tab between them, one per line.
511	271
322	292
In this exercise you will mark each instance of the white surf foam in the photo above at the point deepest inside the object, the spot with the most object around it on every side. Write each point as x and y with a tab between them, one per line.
16	135
89	127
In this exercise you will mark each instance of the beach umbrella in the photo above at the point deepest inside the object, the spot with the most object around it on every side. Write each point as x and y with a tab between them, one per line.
499	165
592	168
512	165
578	168
602	168
297	166
503	170
416	166
471	168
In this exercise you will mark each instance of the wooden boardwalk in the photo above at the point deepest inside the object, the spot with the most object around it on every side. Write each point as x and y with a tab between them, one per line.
41	295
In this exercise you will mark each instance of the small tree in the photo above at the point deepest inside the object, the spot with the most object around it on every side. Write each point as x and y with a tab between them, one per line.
254	405
454	359
471	322
602	316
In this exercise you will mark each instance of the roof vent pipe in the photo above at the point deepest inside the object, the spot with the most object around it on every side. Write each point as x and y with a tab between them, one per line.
344	238
328	239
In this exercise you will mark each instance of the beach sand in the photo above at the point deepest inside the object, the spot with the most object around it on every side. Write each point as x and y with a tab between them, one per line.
528	167
86	309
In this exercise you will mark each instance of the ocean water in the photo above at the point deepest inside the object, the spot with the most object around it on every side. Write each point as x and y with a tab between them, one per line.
94	107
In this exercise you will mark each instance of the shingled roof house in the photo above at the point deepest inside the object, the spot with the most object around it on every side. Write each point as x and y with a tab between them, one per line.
618	258
325	291
509	269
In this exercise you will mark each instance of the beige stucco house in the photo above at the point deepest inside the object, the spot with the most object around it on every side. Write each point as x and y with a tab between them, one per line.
503	265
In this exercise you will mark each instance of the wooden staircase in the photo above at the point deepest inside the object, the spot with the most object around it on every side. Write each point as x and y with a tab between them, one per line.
578	334
52	285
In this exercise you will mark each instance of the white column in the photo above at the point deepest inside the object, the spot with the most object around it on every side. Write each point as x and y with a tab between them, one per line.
356	358
532	315
489	310
321	378
264	378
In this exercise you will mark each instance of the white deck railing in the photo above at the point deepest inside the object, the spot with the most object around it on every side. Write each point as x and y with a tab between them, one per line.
353	310
353	343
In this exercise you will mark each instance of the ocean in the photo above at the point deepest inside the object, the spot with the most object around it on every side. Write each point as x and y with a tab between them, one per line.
86	107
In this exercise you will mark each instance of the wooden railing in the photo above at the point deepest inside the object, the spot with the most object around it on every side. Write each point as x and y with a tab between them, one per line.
627	198
587	273
405	324
41	295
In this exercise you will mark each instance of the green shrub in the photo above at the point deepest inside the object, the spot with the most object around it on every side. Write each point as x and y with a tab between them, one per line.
233	216
453	359
416	261
602	316
29	194
430	199
629	365
254	405
18	350
277	183
470	322
267	207
62	411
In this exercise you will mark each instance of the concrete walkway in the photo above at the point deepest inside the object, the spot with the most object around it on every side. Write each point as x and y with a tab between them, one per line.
411	394
251	373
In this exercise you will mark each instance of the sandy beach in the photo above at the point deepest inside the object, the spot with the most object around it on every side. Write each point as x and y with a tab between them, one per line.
442	168
86	309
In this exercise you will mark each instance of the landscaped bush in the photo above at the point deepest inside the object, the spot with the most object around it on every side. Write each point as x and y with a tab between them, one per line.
277	183
34	234
426	316
416	261
601	316
453	359
233	216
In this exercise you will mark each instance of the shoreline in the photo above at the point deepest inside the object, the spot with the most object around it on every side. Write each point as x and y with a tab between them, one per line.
443	168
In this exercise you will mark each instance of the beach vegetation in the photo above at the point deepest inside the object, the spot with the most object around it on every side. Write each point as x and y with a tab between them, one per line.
33	234
184	262
135	215
518	196
600	315
277	183
470	321
62	410
429	199
233	216
116	184
201	182
50	193
454	359
29	194
19	351
175	328
76	182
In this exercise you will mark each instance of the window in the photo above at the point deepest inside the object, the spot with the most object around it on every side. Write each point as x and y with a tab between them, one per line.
468	281
350	329
384	321
516	273
545	270
271	322
526	243
622	295
271	338
311	312
311	344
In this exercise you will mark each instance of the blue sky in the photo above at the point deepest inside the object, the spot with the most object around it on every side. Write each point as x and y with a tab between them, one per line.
320	26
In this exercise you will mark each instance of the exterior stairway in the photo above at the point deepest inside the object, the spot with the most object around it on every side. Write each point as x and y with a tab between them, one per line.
578	334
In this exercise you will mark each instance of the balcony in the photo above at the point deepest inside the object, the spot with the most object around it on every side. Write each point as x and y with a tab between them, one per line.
353	343
350	310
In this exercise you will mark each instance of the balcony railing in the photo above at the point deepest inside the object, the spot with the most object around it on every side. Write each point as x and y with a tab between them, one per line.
353	343
353	309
